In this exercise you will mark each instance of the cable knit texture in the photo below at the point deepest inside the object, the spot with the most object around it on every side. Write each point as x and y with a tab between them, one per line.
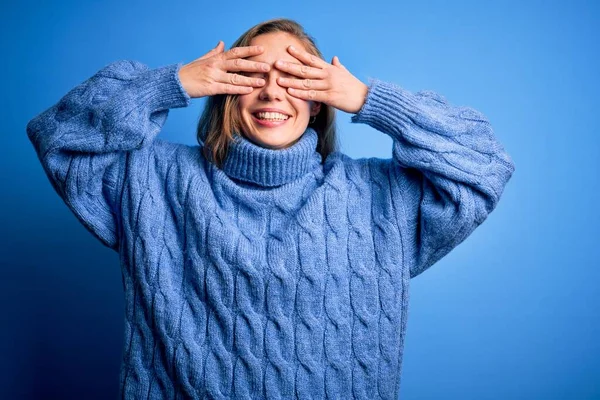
280	275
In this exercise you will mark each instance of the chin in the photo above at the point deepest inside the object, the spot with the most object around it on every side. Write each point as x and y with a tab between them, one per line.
272	135
271	139
273	143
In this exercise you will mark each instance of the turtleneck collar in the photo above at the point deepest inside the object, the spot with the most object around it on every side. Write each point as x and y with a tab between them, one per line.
249	162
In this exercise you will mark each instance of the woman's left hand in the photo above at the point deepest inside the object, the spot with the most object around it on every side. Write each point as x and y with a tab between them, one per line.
320	81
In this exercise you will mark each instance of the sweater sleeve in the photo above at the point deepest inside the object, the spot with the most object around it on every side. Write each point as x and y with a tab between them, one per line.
447	170
83	140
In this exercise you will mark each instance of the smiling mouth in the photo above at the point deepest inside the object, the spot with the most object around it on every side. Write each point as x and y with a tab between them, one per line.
270	116
270	119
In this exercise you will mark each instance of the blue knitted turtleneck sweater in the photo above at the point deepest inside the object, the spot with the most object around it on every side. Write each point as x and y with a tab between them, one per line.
278	275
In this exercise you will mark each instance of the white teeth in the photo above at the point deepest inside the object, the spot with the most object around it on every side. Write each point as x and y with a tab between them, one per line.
271	116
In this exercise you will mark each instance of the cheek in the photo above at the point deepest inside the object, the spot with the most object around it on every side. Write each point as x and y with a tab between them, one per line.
302	107
248	100
244	101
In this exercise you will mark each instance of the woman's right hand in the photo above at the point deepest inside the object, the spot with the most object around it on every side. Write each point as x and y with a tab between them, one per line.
210	74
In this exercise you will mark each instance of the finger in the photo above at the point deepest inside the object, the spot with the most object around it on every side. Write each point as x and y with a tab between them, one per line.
303	84
224	88
243	52
240	80
307	58
239	64
300	70
315	95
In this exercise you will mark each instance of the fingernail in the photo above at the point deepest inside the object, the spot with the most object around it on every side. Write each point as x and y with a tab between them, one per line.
292	48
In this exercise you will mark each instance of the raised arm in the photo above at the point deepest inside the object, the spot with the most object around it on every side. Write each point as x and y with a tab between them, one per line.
83	140
448	170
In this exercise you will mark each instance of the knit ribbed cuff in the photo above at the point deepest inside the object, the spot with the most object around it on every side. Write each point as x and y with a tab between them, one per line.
388	108
161	89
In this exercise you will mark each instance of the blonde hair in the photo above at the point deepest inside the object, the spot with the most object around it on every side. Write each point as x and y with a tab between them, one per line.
221	118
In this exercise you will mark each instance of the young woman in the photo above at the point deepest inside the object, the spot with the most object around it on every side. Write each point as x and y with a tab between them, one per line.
263	262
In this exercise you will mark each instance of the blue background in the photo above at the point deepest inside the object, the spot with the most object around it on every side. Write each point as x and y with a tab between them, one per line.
511	313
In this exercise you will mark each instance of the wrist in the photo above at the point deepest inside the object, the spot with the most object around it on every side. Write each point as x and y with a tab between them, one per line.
363	93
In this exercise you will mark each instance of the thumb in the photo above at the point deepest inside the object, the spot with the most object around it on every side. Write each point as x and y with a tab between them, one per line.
215	50
336	61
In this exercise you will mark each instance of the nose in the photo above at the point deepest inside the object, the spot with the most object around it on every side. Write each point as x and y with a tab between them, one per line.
271	90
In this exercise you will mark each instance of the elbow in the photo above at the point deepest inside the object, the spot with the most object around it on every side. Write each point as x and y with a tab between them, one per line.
498	178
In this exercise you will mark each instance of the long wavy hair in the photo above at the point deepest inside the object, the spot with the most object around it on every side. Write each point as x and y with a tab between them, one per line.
221	118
